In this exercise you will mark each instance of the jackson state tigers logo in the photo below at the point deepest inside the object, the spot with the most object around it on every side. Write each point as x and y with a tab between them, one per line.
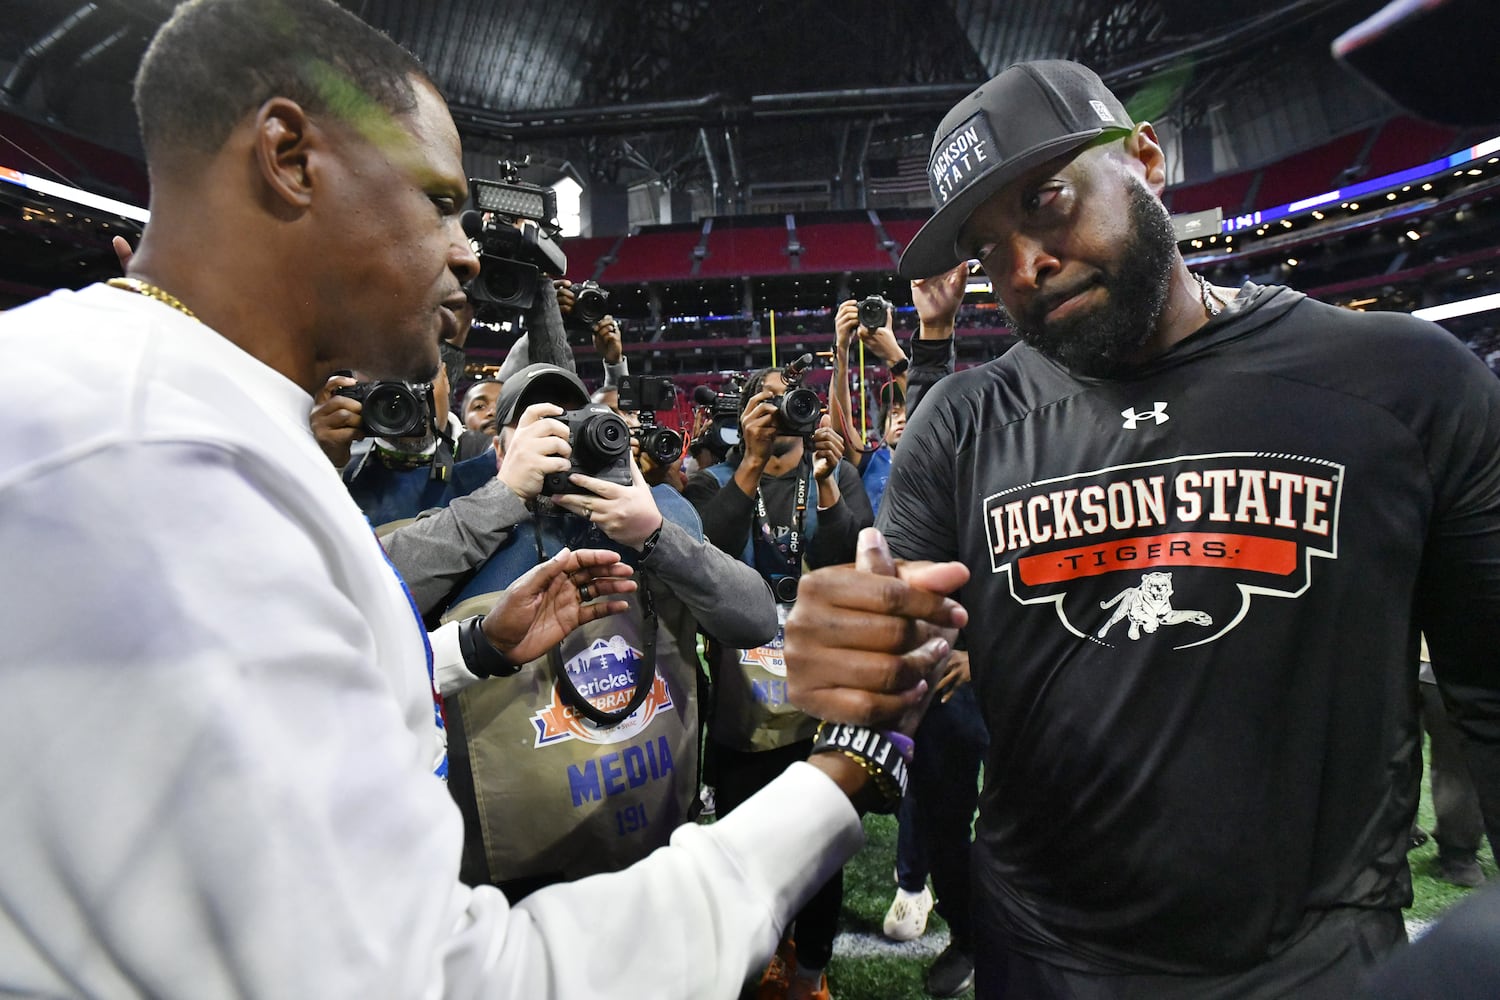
1149	607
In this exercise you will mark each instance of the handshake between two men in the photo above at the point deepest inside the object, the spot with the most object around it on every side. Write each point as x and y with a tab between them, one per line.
867	644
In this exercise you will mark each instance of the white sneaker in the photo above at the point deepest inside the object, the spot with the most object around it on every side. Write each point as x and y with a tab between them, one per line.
906	920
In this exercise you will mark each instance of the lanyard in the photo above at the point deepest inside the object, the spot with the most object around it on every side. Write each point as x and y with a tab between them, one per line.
645	677
792	551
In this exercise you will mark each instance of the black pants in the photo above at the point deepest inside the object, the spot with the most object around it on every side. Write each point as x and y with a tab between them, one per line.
738	776
1330	962
937	829
1455	802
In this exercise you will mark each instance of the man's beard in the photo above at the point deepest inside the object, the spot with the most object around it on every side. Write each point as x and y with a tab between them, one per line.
783	445
1100	341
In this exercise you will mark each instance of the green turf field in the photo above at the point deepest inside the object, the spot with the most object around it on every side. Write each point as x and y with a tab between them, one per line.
867	968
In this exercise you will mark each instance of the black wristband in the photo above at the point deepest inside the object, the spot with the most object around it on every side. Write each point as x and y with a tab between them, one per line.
880	757
649	545
899	368
480	655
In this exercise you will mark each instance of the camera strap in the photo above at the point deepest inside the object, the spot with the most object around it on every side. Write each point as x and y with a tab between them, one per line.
645	673
791	552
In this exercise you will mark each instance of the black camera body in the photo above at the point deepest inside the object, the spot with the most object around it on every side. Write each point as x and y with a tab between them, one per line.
392	409
601	448
512	227
799	409
872	312
647	394
590	303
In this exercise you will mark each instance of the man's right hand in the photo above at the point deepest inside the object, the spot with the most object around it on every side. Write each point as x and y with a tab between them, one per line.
845	323
565	296
758	431
538	446
865	644
937	300
335	420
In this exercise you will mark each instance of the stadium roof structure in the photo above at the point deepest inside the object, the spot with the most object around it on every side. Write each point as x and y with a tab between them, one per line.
695	93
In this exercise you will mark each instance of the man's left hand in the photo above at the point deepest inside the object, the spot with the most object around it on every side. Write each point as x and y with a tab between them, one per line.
626	514
549	601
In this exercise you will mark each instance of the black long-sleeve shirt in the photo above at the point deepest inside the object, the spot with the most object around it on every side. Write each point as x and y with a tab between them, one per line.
1195	598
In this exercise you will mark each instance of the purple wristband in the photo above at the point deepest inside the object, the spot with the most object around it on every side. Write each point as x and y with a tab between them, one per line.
903	743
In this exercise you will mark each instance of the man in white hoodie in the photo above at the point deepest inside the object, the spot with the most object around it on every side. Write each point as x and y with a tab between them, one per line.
217	709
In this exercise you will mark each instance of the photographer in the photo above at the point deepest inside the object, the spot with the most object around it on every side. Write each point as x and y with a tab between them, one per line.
587	757
400	474
553	342
870	319
937	300
757	507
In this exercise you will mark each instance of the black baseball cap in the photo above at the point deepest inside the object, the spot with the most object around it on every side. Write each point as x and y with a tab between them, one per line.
538	383
1031	113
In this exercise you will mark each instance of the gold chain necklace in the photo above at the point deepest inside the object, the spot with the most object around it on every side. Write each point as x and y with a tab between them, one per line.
151	292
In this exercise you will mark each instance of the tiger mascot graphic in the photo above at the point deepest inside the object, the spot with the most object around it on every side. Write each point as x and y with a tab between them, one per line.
1148	607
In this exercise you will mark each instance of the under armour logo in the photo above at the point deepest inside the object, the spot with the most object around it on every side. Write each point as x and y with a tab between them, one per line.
1134	417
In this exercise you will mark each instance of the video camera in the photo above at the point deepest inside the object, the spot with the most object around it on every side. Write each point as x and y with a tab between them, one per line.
513	225
392	409
646	395
723	405
601	448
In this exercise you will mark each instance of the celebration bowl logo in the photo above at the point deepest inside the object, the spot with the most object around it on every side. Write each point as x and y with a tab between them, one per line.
1171	534
605	673
769	657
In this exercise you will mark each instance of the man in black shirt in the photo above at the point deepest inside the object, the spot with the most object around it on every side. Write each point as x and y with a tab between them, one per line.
1203	527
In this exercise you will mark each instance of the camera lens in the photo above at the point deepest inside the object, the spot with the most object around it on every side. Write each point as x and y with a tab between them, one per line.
589	307
785	589
502	284
799	411
872	312
603	436
392	410
663	444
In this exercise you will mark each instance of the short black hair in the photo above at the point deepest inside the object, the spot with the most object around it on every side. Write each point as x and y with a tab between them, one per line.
214	61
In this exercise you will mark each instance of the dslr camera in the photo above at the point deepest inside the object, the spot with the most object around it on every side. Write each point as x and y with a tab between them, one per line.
513	226
799	409
872	312
646	395
590	303
393	409
601	448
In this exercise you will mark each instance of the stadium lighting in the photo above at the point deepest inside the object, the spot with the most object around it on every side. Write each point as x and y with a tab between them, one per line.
1412	234
42	185
1463	307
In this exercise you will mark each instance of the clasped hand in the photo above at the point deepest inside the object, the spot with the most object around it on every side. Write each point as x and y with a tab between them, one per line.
867	644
